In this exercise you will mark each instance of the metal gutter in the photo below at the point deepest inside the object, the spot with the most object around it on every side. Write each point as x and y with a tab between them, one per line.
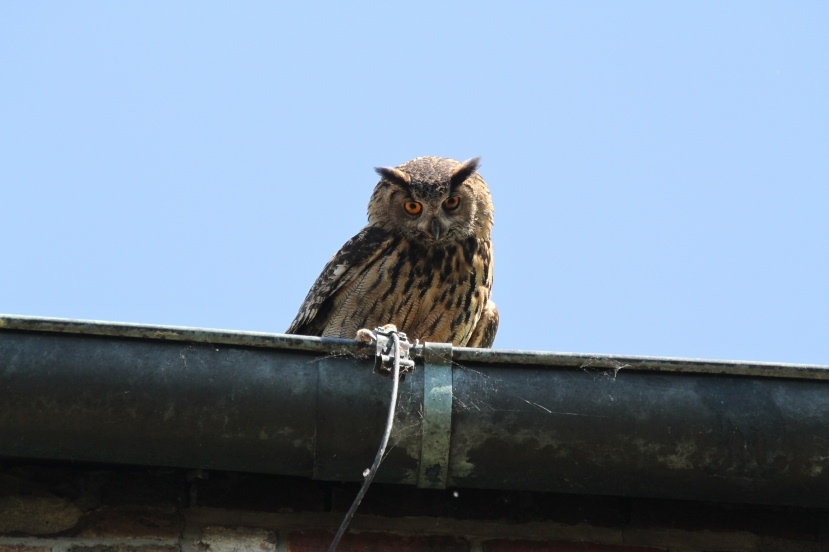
311	407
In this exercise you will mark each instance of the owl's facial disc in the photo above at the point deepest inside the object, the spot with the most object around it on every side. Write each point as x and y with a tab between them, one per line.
433	200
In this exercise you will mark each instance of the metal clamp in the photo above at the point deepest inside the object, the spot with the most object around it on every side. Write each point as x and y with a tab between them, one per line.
384	352
437	416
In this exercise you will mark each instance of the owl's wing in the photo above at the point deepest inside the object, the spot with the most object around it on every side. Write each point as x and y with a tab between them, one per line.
484	333
348	263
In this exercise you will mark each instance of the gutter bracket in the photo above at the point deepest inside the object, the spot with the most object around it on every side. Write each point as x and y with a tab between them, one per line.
384	353
437	416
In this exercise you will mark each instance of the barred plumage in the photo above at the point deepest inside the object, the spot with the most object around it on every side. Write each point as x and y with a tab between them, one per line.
423	262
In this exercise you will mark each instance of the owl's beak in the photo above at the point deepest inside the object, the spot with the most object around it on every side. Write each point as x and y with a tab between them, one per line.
435	227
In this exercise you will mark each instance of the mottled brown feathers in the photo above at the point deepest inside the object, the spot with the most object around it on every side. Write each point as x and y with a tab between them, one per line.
428	273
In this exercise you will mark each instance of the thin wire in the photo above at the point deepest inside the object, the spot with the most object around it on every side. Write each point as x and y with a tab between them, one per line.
379	457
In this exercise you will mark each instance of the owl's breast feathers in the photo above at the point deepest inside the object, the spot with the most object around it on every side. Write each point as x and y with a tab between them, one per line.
435	293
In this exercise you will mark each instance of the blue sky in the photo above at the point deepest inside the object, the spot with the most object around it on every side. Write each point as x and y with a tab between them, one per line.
660	170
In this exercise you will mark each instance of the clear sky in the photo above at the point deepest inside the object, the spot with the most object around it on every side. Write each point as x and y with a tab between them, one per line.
660	170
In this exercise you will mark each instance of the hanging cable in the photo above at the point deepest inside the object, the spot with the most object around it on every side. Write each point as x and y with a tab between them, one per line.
369	477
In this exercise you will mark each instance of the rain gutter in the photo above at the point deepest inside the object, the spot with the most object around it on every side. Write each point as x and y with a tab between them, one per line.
312	407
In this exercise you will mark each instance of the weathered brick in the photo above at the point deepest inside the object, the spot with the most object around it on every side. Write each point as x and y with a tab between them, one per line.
125	548
131	522
780	545
236	539
37	515
23	548
518	545
313	541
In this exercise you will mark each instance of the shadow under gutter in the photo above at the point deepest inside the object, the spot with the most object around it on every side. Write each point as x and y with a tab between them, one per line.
312	407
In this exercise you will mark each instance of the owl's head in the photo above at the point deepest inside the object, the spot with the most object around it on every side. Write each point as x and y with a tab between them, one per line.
432	200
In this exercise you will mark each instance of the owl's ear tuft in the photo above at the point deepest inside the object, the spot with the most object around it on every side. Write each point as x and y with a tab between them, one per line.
394	175
463	172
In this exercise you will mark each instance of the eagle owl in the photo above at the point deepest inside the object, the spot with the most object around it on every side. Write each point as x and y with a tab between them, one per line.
423	262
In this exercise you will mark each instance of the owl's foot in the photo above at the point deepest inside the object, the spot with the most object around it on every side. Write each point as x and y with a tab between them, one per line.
364	335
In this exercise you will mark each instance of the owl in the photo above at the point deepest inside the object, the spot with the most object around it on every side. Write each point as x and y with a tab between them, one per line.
422	263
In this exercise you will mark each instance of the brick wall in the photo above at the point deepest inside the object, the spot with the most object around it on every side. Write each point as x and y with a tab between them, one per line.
81	508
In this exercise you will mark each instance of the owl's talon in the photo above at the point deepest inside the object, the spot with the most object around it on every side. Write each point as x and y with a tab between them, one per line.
364	335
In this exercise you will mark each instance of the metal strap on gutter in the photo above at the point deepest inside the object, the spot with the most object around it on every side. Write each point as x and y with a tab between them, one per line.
437	416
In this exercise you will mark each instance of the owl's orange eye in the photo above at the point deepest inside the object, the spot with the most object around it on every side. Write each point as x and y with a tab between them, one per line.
412	207
452	203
